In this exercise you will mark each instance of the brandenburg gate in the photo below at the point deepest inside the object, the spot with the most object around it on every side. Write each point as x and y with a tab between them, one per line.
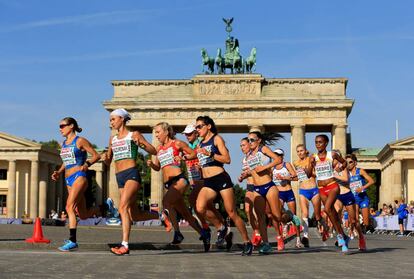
238	103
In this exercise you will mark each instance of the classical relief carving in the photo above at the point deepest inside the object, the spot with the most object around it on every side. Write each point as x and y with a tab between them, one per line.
231	88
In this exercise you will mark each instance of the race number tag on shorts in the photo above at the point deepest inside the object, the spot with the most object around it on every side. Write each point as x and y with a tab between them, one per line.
194	173
324	170
166	157
121	149
354	185
68	156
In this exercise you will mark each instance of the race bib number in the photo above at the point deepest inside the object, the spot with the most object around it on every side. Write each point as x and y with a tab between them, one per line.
254	161
121	150
204	159
194	173
302	176
324	170
166	157
68	156
354	185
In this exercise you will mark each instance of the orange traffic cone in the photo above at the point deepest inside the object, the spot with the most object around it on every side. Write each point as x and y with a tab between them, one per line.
37	233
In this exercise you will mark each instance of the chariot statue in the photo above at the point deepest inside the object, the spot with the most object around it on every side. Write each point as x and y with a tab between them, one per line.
231	59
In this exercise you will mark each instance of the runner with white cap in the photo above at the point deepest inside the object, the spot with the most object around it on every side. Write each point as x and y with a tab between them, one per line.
123	148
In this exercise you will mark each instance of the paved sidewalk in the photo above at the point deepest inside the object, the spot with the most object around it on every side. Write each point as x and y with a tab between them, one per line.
100	238
387	257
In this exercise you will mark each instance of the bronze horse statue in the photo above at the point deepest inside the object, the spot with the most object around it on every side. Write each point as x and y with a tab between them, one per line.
250	62
207	61
232	61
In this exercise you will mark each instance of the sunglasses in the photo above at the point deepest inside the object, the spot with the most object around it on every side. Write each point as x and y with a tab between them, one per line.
251	140
61	126
198	127
349	162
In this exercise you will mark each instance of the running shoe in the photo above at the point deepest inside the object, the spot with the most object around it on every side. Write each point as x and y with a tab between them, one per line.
265	248
341	240
221	235
305	242
362	245
68	246
206	238
229	241
344	246
280	243
120	251
165	221
247	249
298	243
178	238
256	240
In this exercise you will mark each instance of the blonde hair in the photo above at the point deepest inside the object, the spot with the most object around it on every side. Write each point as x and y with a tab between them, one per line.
168	128
304	147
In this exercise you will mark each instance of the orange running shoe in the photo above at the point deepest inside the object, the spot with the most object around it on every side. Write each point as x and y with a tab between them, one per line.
120	251
280	243
256	239
165	221
362	245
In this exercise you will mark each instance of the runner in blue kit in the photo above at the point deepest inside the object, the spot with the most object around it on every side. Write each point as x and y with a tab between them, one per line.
359	181
346	199
212	154
283	174
123	149
170	153
260	162
74	152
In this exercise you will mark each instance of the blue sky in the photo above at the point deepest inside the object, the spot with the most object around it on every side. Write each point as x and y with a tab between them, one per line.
57	58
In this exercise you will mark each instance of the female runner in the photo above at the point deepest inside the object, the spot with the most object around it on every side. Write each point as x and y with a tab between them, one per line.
323	164
260	161
249	197
308	192
74	153
123	149
283	173
212	155
169	160
359	181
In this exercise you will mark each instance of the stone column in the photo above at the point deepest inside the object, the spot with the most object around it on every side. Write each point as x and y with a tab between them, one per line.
99	182
11	192
34	189
297	136
43	190
51	193
397	187
157	187
339	138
